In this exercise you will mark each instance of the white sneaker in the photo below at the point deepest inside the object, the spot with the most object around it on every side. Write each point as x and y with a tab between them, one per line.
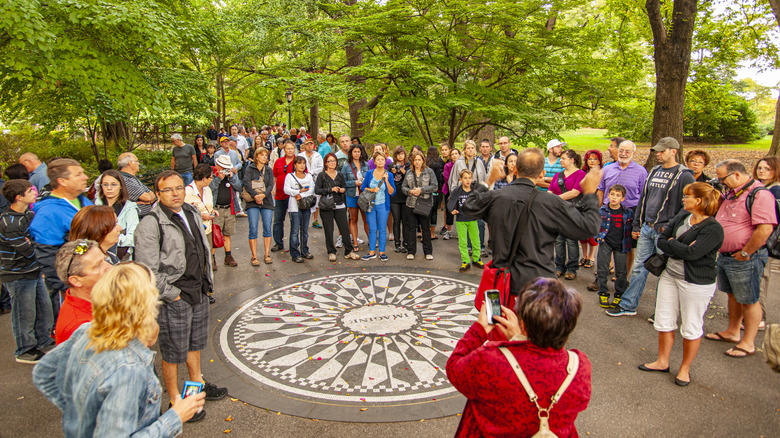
410	257
339	243
429	257
240	214
447	235
360	241
331	257
390	237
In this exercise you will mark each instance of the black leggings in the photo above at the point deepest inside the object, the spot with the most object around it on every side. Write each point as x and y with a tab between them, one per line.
342	222
448	217
399	224
435	209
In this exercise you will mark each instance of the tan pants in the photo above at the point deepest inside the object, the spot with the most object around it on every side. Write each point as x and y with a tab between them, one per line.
772	269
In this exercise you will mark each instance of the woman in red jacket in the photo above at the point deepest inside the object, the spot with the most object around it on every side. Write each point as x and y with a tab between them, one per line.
498	405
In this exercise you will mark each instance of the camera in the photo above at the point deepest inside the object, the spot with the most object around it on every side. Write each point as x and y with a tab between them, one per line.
717	185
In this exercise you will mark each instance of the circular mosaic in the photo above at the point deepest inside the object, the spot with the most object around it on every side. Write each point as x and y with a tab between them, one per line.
367	338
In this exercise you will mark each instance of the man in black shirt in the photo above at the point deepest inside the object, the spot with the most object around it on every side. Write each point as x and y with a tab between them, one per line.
225	188
212	134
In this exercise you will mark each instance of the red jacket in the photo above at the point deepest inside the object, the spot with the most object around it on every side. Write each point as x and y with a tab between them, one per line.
498	406
280	173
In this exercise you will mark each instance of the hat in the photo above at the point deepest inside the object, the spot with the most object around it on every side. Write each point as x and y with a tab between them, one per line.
231	138
666	143
554	142
223	138
224	162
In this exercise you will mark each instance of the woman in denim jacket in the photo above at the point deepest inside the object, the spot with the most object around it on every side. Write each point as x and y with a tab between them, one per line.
102	378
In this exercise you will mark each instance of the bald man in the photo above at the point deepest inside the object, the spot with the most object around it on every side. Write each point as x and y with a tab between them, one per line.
37	170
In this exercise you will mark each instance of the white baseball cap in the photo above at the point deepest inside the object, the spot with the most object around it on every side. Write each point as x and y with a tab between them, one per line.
554	142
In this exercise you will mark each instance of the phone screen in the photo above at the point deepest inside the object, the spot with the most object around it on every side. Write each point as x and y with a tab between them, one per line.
493	300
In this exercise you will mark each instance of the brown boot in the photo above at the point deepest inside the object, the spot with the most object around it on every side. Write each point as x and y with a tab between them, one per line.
230	261
213	263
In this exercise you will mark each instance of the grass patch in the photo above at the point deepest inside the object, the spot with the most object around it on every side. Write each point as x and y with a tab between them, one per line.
584	139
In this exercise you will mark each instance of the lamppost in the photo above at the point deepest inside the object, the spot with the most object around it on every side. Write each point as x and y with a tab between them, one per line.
288	94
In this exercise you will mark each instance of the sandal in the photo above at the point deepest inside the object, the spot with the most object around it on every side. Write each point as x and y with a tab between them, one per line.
739	356
255	262
582	262
570	276
268	260
588	263
720	338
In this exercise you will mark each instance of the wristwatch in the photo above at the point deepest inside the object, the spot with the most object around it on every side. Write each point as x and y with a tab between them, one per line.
744	254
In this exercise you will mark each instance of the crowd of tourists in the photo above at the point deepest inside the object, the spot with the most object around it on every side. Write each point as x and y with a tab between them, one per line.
103	270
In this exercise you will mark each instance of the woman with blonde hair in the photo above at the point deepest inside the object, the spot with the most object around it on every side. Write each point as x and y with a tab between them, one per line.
102	378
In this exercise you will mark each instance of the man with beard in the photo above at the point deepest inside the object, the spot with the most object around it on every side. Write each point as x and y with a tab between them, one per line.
552	165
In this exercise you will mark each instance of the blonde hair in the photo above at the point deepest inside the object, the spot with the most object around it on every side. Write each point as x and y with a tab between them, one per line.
378	153
469	143
124	307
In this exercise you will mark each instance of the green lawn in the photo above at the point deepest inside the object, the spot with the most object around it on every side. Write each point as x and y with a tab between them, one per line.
584	139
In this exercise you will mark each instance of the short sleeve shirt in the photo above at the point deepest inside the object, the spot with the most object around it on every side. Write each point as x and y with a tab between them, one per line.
183	158
738	225
571	182
135	188
633	178
74	312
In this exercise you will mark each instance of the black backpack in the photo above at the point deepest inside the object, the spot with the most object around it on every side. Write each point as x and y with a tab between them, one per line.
773	242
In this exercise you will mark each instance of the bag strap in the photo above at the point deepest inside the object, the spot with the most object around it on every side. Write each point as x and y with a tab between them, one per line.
562	182
571	371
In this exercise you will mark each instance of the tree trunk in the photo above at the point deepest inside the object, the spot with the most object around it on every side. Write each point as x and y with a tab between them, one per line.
774	149
672	42
314	116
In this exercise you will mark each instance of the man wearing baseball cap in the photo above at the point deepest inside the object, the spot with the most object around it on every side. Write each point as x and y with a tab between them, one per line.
225	149
552	165
225	187
659	202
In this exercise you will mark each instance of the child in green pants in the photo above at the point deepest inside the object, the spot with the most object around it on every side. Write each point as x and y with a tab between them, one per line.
466	225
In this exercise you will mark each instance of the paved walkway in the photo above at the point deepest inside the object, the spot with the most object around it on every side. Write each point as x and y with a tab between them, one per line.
728	397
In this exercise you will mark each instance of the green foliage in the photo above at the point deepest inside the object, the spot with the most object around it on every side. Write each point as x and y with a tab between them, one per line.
632	119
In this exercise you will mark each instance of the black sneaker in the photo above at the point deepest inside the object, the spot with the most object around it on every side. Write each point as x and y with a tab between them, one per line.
30	356
619	311
276	248
308	256
198	416
604	302
213	392
211	299
478	264
298	260
615	302
464	267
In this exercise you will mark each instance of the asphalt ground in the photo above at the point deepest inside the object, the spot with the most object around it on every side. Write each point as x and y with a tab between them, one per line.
727	397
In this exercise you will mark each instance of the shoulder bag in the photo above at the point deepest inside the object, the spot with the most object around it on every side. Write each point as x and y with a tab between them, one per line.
366	199
327	202
258	186
306	202
656	263
494	277
543	413
422	206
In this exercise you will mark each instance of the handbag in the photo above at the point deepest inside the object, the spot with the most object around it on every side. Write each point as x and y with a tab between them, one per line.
216	236
258	186
656	263
422	206
306	202
494	277
577	202
543	413
366	199
327	202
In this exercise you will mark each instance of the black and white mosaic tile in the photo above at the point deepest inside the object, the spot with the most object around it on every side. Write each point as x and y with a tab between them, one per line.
363	339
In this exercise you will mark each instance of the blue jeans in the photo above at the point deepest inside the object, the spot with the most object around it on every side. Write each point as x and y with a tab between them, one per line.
280	212
299	233
187	177
31	314
564	246
377	227
645	247
742	279
254	214
5	299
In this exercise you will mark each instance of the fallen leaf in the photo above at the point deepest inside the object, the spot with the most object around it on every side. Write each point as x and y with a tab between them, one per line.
229	418
227	431
234	399
363	409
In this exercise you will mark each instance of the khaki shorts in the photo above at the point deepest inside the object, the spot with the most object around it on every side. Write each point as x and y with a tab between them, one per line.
225	221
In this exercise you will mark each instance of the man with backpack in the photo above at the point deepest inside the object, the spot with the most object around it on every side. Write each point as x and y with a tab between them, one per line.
743	255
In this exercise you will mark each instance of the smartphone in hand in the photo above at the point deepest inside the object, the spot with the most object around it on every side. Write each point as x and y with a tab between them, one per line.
493	303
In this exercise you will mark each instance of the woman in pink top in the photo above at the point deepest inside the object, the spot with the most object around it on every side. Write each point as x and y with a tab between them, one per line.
566	184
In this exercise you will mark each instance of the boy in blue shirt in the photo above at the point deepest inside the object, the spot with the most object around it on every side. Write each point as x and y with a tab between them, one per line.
614	241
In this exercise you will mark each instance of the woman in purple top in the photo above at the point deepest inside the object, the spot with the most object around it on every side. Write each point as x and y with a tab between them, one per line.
381	147
448	217
566	184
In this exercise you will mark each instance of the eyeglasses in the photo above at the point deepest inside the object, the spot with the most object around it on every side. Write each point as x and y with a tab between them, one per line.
725	177
172	189
81	248
109	185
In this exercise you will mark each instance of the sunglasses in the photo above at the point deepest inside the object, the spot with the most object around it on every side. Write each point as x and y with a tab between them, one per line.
81	248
